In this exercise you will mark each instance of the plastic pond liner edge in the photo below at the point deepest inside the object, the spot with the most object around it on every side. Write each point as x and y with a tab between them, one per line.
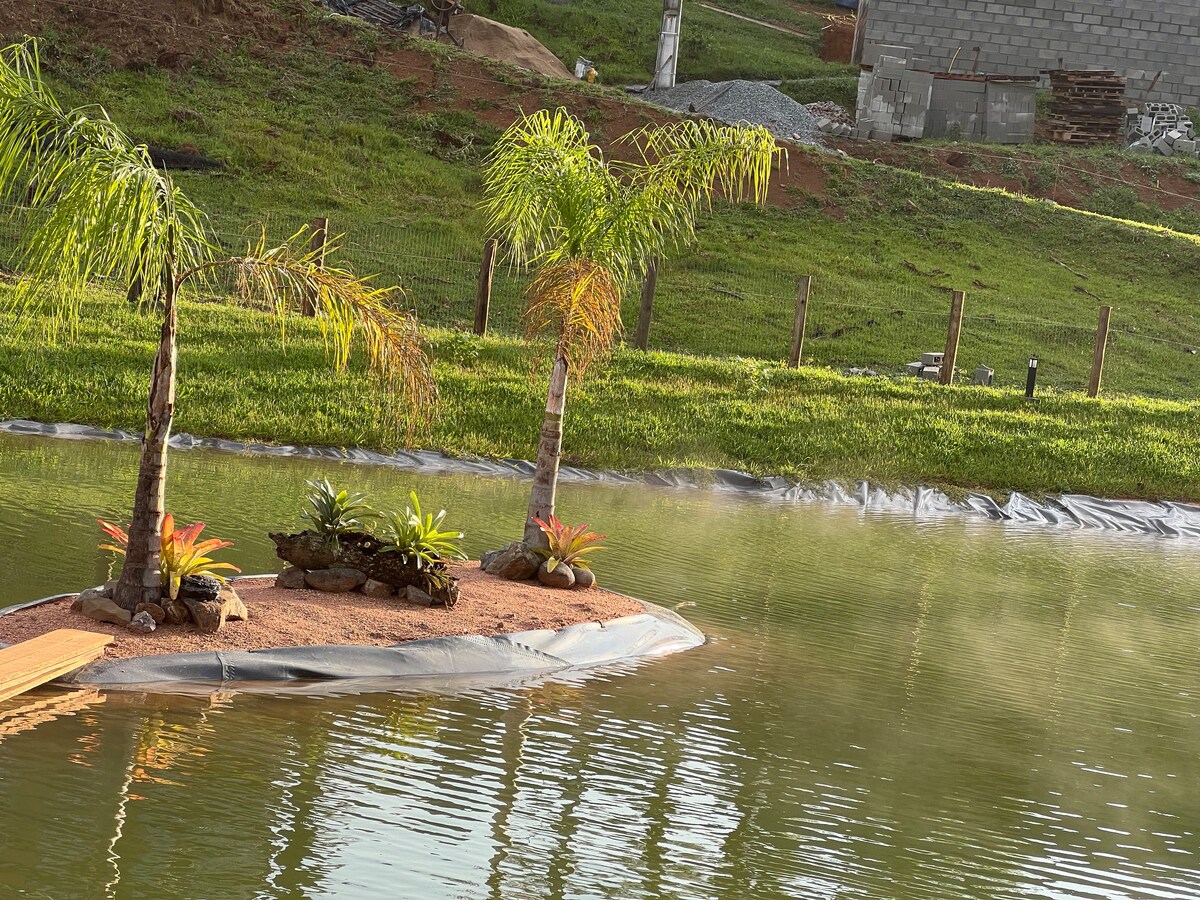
455	661
1164	518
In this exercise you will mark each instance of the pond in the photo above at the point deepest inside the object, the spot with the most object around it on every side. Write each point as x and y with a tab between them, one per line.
889	707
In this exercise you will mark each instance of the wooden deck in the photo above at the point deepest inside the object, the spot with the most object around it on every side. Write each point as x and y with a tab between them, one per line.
46	657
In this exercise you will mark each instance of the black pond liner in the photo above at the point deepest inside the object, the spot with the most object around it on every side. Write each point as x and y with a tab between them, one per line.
457	661
1068	510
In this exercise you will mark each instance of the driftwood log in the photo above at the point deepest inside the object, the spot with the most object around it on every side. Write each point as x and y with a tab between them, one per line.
308	550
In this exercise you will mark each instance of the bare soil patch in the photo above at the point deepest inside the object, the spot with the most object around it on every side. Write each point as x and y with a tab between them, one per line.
304	618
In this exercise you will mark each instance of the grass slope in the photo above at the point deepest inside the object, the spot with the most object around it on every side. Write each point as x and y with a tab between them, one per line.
644	411
307	135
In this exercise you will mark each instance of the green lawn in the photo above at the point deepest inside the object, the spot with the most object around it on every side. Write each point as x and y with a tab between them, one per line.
884	246
645	411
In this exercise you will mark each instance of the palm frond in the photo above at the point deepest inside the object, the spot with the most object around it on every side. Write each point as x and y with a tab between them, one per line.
577	304
285	278
95	206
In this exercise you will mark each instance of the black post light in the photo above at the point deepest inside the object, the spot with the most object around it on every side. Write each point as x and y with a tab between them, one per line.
1031	378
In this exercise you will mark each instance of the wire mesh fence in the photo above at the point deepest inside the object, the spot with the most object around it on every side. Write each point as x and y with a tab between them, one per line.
721	302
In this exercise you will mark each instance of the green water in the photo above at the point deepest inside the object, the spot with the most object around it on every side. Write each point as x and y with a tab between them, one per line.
889	707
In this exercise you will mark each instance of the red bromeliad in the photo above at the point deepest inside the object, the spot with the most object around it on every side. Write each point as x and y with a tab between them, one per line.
181	554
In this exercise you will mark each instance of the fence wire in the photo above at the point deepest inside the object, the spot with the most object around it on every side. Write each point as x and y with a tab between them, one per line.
717	301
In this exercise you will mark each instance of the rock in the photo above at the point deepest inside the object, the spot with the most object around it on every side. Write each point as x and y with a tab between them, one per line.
200	588
379	589
414	594
156	612
292	578
208	615
334	581
584	578
96	593
445	594
102	609
561	577
142	623
176	612
234	609
516	562
487	559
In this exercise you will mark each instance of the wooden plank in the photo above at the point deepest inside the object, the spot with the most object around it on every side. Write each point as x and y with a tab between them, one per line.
46	657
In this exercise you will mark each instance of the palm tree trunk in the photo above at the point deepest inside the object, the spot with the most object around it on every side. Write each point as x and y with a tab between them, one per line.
545	477
140	577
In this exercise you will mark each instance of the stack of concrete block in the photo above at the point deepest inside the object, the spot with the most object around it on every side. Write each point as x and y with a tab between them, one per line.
1162	128
1011	110
957	109
837	129
929	366
893	101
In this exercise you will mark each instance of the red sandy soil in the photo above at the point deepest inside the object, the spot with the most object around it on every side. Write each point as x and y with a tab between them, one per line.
301	618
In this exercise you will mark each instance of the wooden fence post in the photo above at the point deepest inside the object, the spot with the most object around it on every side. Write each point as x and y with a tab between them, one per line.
641	338
483	295
801	320
952	333
1098	353
316	246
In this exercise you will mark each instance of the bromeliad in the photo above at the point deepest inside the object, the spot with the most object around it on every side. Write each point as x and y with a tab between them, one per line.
181	554
568	543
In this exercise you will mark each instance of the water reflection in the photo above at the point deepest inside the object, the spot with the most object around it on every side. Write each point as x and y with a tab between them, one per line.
890	707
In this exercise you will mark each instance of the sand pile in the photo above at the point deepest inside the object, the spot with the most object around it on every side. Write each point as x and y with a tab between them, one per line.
501	42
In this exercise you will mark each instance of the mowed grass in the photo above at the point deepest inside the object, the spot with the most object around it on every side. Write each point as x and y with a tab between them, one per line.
885	247
642	411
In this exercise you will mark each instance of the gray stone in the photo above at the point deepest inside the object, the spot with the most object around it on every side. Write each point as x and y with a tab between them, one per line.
104	592
207	615
584	578
334	581
101	609
414	594
201	588
292	577
156	612
487	559
176	612
561	577
516	562
234	609
379	589
142	623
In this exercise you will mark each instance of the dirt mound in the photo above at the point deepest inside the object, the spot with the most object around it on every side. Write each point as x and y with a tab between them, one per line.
515	46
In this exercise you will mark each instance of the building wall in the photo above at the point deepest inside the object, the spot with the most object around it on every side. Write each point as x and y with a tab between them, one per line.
1137	38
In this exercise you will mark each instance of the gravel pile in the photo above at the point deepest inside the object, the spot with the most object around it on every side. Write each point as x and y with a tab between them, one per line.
742	101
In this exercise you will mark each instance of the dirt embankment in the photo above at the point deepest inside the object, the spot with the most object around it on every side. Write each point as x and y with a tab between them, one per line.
171	34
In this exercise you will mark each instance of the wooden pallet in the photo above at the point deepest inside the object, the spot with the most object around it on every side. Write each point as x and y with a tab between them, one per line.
46	657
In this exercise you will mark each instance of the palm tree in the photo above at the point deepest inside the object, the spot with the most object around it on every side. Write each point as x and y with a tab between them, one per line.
588	227
95	207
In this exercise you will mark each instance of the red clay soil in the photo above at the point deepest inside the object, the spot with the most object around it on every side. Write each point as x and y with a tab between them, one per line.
303	618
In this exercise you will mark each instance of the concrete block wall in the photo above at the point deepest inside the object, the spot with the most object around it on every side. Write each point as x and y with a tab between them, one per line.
1137	38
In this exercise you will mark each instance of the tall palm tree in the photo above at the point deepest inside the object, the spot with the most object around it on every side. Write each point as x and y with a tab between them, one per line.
588	227
95	207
